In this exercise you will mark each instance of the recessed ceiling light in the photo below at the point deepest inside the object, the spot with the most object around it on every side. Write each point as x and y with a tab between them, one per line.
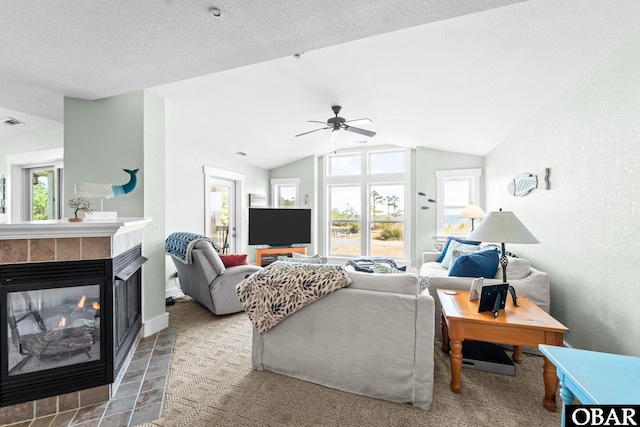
215	12
241	153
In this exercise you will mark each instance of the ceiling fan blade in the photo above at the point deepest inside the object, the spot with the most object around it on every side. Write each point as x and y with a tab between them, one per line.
359	121
316	121
315	130
360	131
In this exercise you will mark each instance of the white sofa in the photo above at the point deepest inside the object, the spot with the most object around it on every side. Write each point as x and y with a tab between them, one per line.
373	338
526	280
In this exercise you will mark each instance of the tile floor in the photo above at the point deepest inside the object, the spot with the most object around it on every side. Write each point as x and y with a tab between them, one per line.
139	397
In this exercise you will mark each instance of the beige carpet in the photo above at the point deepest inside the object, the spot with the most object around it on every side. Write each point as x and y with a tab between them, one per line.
211	383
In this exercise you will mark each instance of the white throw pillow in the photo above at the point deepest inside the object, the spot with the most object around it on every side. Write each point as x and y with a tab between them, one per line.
460	247
518	268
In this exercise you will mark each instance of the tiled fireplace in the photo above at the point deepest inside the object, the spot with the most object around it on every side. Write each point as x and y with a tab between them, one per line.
70	307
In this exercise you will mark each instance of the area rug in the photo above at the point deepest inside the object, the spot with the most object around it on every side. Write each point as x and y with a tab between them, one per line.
211	383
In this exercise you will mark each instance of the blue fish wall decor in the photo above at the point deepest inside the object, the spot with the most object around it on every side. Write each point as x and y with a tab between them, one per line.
107	191
525	183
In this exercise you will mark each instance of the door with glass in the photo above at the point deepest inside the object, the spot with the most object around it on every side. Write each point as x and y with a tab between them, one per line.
43	190
221	217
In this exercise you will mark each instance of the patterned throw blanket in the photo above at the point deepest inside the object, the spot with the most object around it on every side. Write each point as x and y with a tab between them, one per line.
281	288
180	244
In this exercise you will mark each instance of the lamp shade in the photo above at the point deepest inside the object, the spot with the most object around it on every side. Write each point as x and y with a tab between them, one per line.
472	211
502	227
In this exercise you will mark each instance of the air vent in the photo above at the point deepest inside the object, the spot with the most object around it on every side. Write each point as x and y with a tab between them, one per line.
10	121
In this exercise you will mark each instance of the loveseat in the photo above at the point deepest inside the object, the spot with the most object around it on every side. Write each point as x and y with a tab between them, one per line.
373	337
526	280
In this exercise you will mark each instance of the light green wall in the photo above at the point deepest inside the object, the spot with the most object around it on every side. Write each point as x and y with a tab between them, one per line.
154	176
309	198
185	182
427	162
26	144
588	222
101	138
105	136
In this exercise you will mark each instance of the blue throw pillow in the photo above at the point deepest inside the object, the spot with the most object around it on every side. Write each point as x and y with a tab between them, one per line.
446	246
477	264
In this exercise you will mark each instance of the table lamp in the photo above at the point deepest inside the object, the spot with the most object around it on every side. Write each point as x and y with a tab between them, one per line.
502	227
472	211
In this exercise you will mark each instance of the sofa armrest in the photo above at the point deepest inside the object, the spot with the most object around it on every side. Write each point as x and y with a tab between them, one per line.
430	256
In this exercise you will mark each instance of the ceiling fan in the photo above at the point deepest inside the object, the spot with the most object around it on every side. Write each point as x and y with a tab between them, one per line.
336	123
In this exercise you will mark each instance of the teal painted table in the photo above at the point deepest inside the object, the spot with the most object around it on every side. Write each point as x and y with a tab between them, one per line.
593	377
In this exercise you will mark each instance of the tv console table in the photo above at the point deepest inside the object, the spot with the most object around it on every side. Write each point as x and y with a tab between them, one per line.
265	257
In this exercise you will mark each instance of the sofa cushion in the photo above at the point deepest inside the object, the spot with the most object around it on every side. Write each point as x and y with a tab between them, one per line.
231	260
320	260
518	268
401	283
453	246
478	264
303	256
455	239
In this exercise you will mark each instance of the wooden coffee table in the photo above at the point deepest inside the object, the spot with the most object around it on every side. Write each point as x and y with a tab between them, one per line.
527	325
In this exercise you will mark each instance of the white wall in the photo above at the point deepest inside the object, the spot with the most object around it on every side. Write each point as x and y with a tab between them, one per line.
588	222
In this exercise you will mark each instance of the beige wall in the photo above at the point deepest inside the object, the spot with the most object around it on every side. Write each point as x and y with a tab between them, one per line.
588	222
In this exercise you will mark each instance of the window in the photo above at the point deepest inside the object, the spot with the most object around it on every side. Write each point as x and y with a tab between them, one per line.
366	196
456	189
284	192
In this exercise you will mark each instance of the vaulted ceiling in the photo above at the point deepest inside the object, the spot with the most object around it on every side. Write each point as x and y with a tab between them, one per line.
457	76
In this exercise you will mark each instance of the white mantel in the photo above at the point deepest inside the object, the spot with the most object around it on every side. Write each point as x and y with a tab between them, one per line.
63	228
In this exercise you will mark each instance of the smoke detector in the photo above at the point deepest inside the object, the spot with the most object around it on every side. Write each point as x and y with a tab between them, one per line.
10	121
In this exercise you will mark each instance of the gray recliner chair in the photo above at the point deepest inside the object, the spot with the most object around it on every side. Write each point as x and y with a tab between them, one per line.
209	282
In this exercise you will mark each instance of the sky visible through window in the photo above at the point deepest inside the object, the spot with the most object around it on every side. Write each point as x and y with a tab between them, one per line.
387	162
345	165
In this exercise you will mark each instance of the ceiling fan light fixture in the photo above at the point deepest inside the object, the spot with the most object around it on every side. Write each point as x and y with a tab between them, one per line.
336	123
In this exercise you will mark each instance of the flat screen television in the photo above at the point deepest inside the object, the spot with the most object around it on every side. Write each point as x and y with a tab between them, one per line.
279	227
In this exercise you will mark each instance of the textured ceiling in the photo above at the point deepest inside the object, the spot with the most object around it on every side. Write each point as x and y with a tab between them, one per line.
457	76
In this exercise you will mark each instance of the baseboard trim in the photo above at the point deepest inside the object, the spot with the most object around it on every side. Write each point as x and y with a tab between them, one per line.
156	324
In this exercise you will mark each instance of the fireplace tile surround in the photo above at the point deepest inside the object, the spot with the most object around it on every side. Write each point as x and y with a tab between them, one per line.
54	249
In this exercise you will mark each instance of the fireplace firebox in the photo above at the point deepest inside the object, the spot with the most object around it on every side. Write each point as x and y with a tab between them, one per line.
66	326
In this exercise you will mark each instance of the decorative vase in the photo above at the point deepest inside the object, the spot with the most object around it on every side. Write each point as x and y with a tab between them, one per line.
75	219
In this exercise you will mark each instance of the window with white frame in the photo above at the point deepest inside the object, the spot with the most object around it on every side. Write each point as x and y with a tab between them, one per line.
456	189
284	192
367	203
